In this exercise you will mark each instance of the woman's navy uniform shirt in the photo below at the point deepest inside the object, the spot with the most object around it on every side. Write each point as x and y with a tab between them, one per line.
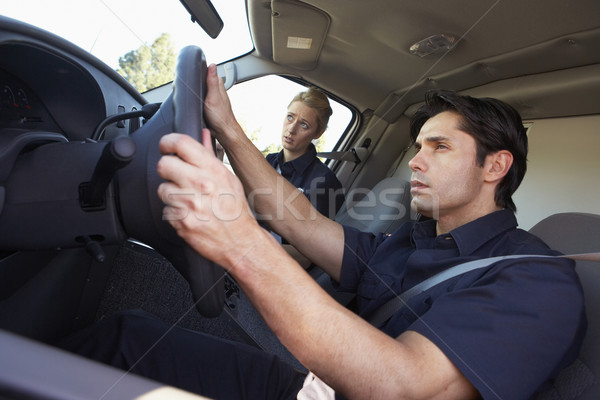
508	328
313	178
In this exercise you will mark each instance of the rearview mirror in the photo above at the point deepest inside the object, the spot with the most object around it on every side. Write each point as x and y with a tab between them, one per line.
205	14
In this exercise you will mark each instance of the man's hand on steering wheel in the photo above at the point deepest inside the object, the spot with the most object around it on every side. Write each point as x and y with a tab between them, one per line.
217	107
205	202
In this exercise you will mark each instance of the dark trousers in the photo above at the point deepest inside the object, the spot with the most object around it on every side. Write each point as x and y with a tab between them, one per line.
138	342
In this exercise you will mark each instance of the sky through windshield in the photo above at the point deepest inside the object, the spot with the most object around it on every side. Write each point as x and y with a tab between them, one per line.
111	28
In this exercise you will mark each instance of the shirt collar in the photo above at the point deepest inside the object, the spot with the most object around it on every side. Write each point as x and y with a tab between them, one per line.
301	163
471	236
475	234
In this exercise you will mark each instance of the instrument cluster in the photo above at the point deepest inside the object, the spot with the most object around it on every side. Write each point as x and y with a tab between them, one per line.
20	107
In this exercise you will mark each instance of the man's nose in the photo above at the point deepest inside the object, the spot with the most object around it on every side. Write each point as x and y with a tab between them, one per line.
416	163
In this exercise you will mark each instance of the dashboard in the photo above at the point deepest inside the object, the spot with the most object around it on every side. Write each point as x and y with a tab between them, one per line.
60	220
53	98
52	85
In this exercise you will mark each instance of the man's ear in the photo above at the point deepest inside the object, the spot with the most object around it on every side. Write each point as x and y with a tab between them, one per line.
497	165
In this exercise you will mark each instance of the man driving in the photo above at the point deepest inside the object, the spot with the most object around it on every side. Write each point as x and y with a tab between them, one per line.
501	332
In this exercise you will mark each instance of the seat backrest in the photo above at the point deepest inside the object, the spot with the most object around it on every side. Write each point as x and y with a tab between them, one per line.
382	209
572	233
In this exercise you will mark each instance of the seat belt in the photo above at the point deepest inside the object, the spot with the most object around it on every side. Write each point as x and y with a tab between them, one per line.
386	311
355	155
351	159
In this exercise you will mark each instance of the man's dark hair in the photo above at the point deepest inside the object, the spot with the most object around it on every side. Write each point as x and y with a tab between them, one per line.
493	124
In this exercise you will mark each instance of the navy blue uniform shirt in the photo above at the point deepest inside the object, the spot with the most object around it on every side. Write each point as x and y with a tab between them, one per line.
313	178
508	328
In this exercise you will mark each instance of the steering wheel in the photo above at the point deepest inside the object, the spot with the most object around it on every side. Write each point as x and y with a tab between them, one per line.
141	209
60	194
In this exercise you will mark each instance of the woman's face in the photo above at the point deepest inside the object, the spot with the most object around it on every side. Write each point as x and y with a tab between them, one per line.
300	127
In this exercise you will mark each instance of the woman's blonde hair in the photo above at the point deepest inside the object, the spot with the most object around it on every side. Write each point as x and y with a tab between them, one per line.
316	99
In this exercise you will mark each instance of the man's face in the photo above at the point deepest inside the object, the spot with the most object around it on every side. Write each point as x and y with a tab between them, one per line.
446	180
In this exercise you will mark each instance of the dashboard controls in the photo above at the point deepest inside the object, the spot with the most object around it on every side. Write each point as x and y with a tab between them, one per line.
117	154
14	103
20	107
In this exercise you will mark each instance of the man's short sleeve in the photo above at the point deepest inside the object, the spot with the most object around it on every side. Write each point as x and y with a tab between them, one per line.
359	247
506	337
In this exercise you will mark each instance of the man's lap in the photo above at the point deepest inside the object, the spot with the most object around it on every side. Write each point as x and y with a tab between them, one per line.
138	342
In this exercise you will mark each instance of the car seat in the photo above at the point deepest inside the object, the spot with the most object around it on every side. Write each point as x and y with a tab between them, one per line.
382	209
573	233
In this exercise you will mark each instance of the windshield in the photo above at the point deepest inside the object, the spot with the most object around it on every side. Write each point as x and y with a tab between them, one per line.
113	29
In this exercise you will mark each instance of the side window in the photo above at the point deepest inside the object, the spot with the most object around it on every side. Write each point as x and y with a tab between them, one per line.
260	106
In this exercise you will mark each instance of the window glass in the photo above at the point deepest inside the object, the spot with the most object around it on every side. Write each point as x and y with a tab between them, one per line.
260	106
138	38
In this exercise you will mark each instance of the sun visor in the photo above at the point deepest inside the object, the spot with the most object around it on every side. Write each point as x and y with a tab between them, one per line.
299	31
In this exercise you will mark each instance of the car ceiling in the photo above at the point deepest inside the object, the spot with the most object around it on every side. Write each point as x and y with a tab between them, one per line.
359	50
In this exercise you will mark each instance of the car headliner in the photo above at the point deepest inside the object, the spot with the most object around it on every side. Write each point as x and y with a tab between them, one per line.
360	53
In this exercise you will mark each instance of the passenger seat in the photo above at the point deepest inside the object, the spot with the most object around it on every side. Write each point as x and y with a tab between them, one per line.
383	209
573	233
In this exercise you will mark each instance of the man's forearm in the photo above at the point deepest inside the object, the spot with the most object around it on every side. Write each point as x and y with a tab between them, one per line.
275	201
349	354
272	197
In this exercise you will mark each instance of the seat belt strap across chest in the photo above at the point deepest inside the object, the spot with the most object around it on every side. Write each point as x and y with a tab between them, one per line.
386	311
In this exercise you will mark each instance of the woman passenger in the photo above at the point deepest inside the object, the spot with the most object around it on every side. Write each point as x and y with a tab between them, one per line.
306	119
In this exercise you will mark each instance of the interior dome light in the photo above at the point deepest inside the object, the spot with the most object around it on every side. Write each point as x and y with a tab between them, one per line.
436	44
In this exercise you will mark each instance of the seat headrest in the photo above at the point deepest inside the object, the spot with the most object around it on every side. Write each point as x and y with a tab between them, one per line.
382	209
570	233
